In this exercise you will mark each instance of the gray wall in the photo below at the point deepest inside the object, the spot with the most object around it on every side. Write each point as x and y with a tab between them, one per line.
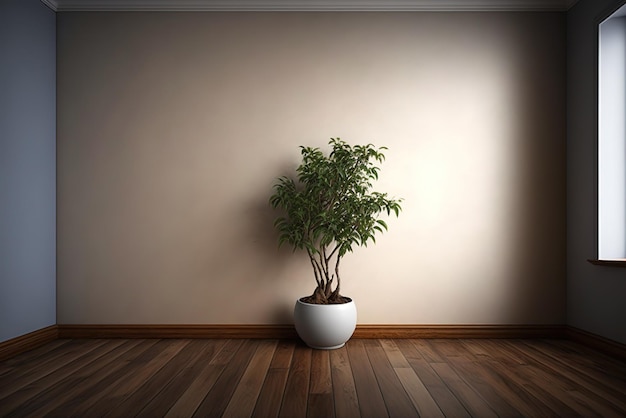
27	167
595	295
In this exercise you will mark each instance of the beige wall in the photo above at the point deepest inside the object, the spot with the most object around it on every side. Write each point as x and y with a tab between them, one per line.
173	126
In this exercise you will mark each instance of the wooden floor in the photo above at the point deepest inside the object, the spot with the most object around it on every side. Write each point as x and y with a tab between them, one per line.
267	378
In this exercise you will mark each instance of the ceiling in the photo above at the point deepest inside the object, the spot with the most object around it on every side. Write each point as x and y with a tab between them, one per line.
309	5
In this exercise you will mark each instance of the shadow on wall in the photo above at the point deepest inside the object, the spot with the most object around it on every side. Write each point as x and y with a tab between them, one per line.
539	231
264	272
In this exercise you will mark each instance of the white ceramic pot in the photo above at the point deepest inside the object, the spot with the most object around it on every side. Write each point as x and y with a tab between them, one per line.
325	326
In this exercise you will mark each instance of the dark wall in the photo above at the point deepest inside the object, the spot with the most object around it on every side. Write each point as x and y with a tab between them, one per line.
595	295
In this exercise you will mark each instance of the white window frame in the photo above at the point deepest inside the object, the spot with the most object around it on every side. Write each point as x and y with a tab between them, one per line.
612	137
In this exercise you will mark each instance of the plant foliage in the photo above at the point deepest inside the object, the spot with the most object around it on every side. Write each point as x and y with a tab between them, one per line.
331	209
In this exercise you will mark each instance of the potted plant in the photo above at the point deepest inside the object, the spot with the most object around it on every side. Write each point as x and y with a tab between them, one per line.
329	211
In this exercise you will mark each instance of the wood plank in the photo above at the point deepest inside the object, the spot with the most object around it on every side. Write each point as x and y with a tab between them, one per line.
560	380
414	387
371	401
321	388
283	355
38	383
477	350
503	353
57	392
588	356
139	371
473	375
496	363
29	358
245	396
297	390
396	399
218	397
464	393
596	382
427	351
559	389
344	389
601	370
449	349
532	390
484	376
320	405
522	375
239	377
271	396
394	355
166	398
420	397
439	391
203	350
93	387
11	383
215	360
151	389
516	392
225	356
600	409
321	381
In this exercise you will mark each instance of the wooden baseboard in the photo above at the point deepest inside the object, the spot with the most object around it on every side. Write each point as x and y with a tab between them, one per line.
459	331
40	337
605	345
28	342
177	331
288	331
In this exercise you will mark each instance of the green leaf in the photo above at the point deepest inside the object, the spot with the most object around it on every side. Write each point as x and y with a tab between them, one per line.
331	202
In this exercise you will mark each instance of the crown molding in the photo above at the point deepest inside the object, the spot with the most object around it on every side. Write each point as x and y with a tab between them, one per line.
52	4
309	5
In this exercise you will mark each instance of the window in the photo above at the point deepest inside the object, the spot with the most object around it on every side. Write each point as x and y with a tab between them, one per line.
612	138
